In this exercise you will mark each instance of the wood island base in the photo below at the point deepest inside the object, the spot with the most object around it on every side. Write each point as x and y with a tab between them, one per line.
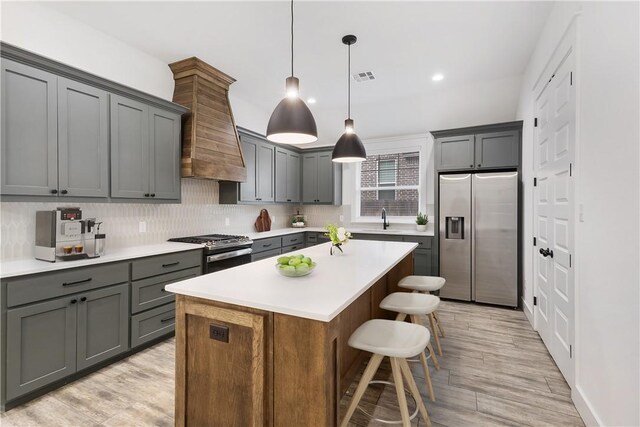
247	367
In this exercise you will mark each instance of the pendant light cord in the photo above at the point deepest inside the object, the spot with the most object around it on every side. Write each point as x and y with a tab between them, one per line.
291	38
349	84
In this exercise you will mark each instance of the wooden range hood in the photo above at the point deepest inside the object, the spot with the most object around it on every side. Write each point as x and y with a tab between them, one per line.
210	141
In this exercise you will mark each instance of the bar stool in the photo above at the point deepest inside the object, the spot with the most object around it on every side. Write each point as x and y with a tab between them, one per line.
414	305
427	284
397	341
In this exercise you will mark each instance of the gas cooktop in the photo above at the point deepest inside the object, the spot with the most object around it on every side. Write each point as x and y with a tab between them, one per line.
216	241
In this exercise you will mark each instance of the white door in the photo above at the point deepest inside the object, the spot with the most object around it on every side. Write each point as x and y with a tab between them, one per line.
553	203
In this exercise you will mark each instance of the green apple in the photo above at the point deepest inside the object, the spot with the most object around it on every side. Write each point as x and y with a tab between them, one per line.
306	260
302	268
284	260
294	261
299	256
289	268
302	265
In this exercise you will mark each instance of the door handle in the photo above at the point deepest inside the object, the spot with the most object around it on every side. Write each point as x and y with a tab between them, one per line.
546	252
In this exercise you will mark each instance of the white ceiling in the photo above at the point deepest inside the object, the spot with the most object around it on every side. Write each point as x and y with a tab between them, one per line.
482	48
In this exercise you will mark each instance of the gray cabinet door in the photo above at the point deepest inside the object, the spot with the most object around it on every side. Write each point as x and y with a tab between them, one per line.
455	152
164	129
310	178
325	178
266	172
282	157
422	262
129	148
29	131
103	324
41	345
293	177
82	140
498	149
250	151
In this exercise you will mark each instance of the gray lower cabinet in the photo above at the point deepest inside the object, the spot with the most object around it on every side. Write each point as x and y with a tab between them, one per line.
321	179
497	149
455	152
265	254
145	151
423	261
41	345
50	340
83	140
287	180
29	131
103	325
152	324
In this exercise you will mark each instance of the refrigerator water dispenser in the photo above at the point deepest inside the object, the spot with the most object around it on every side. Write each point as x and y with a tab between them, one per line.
455	227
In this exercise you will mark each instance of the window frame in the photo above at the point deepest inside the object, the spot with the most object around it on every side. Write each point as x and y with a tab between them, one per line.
406	144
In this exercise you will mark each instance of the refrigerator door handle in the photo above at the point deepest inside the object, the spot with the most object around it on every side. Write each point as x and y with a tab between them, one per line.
472	233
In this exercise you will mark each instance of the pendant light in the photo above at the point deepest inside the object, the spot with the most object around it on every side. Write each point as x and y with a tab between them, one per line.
292	122
349	148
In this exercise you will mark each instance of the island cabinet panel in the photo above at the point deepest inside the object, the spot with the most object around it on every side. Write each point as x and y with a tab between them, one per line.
241	364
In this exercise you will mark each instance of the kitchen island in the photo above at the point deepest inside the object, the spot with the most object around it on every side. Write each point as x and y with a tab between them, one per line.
257	348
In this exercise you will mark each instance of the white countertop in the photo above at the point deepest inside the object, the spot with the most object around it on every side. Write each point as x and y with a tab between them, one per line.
32	266
354	230
335	283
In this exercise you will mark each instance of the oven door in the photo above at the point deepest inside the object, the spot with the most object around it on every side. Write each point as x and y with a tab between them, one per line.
222	261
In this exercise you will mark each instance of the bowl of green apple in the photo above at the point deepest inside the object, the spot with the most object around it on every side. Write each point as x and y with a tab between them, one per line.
295	265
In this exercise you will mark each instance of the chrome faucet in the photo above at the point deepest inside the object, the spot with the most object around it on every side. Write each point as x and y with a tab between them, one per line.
385	224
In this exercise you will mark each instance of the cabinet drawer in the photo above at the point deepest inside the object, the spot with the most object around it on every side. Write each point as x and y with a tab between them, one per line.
152	324
292	248
312	238
161	264
262	245
51	285
149	293
264	254
423	242
293	239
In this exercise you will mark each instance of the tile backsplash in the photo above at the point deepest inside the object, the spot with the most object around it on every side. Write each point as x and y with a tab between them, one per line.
198	213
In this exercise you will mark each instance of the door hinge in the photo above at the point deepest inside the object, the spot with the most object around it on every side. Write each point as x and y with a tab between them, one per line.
535	122
571	79
570	351
535	182
535	300
570	169
551	78
534	241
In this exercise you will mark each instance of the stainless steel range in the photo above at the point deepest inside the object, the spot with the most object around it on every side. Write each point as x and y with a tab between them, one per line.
221	251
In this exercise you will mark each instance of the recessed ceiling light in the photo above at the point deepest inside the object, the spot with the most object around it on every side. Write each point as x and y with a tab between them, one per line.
311	100
437	77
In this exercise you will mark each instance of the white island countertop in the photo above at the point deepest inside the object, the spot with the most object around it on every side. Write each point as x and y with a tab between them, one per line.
335	283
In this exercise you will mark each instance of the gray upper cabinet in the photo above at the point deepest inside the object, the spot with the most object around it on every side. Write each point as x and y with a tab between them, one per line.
83	140
498	149
287	176
455	152
259	157
165	154
29	131
103	324
41	344
265	173
129	148
145	151
321	179
250	151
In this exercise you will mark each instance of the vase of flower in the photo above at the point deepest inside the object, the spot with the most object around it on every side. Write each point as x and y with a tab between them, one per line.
421	222
338	237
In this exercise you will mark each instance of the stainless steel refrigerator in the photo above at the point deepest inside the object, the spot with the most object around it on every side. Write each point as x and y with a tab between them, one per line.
479	237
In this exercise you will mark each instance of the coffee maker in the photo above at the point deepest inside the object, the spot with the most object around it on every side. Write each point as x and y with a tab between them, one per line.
64	235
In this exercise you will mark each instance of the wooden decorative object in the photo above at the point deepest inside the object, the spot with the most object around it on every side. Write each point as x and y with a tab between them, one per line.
210	142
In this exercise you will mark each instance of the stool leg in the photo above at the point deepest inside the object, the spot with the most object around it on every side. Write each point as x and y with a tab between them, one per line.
414	390
423	359
433	356
368	374
401	316
402	399
434	332
435	314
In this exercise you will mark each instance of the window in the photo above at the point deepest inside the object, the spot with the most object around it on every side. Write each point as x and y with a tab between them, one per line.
390	181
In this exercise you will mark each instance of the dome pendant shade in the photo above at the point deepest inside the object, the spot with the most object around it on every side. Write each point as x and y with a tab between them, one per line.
349	147
292	123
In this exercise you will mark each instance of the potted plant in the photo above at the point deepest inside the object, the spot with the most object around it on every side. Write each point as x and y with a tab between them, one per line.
421	222
338	236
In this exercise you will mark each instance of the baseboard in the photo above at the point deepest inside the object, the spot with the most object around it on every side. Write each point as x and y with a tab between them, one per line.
528	312
584	408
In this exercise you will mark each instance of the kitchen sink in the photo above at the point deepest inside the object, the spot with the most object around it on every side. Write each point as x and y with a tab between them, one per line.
379	230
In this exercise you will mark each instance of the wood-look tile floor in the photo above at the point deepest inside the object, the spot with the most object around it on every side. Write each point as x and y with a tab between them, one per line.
495	371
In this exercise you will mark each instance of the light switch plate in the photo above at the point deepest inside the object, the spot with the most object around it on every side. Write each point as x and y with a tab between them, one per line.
142	226
341	218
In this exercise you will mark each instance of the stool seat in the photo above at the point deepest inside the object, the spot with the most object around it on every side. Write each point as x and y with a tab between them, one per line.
422	283
410	303
390	338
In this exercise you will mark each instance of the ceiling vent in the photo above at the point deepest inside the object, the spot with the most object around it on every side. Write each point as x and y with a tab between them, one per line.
363	76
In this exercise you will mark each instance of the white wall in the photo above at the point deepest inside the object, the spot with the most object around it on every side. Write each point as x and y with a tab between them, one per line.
607	356
42	30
